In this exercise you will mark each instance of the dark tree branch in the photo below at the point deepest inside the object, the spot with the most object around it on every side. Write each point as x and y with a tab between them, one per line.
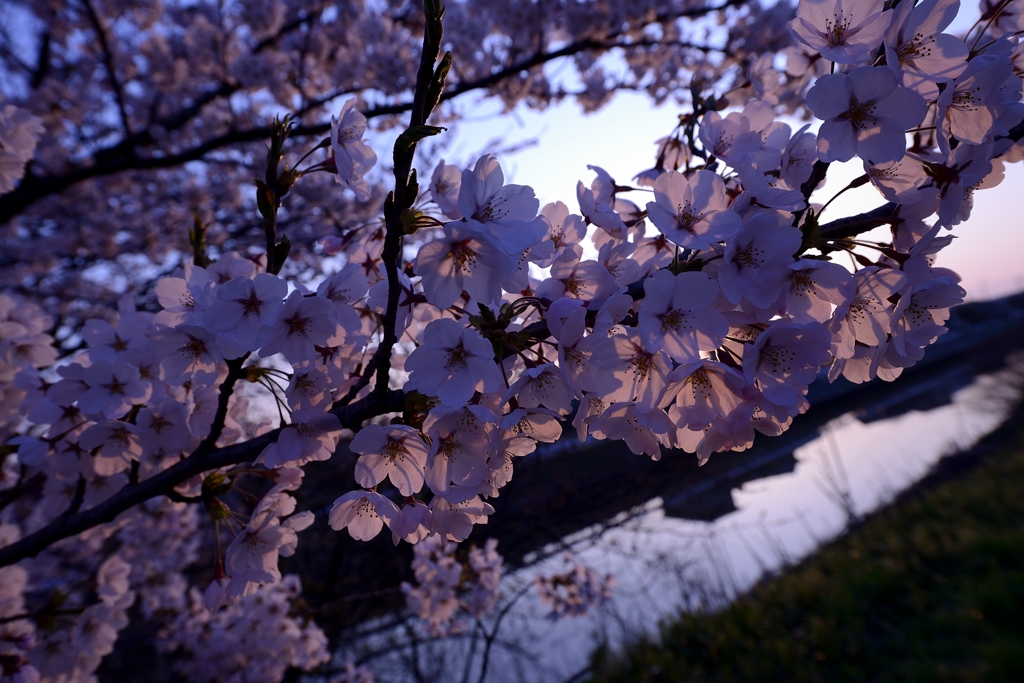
406	186
108	64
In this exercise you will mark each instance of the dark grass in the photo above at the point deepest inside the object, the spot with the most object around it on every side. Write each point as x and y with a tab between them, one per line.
929	589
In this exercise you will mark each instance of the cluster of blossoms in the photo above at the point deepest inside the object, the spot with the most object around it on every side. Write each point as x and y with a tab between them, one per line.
687	322
574	592
221	646
19	133
447	591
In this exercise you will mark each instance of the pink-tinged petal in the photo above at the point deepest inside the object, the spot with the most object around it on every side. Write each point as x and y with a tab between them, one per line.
882	143
442	280
903	105
694	290
658	290
486	372
369	439
457	390
429	368
971	126
407	475
671	189
371	469
443	333
708	191
663	219
872	84
836	141
831	96
721	225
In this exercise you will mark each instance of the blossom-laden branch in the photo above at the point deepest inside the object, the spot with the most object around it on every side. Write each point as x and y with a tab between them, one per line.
703	318
204	459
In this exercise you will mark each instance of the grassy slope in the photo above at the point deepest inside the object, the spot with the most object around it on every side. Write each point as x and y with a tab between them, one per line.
930	589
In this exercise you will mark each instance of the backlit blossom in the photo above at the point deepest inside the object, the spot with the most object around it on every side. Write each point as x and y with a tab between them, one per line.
302	323
692	212
843	31
866	113
352	156
678	316
395	452
452	363
363	513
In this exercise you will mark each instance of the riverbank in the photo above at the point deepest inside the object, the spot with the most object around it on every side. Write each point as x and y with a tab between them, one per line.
929	589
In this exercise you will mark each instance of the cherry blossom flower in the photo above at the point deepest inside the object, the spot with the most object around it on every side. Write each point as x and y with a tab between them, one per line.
162	427
729	137
574	353
629	369
312	436
244	305
798	158
414	523
184	299
565	230
107	342
968	108
785	359
692	213
352	157
588	280
757	260
445	184
461	442
814	288
919	317
866	113
303	323
464	258
527	425
678	316
113	389
452	363
599	206
704	391
506	214
251	558
363	513
455	514
186	351
544	385
899	181
395	452
118	444
916	45
843	31
636	424
865	318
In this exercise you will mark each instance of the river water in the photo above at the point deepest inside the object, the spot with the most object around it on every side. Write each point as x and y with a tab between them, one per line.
663	564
